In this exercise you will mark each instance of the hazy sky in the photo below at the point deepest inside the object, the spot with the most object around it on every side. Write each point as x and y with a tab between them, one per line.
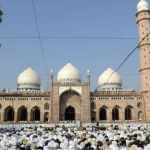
69	18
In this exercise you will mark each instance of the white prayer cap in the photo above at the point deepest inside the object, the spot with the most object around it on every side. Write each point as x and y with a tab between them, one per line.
133	148
114	143
139	148
123	148
139	138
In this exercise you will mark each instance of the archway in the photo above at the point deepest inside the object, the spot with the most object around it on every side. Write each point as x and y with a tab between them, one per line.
128	113
70	113
35	114
22	114
73	99
103	114
140	116
46	117
115	114
9	114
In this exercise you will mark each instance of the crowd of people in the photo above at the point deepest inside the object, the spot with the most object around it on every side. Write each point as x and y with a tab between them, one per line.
102	137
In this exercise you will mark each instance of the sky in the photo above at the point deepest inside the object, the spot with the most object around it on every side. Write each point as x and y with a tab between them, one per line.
69	18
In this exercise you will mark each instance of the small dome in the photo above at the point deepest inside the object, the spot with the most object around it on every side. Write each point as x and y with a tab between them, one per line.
142	5
29	79
110	79
69	74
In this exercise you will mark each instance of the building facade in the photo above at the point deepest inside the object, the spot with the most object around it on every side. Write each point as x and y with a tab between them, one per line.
70	99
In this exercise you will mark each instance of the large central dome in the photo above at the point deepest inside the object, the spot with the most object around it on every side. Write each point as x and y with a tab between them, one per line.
69	74
29	79
110	79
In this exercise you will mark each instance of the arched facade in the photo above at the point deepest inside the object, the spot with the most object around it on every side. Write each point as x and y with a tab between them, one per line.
70	99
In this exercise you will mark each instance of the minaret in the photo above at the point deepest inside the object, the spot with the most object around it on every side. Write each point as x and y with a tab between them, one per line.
143	21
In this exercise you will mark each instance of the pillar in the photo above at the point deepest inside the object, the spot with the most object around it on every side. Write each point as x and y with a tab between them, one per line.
29	116
51	98
15	116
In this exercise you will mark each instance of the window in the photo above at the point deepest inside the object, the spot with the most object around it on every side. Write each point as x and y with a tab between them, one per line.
46	106
147	84
0	106
139	104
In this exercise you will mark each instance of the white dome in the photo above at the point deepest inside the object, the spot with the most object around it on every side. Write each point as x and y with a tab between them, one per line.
29	79
142	5
69	74
110	79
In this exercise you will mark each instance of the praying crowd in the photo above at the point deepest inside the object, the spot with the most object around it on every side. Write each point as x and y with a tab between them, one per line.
60	137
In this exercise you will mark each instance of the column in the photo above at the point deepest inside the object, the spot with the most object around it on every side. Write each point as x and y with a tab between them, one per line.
15	116
41	116
29	116
97	115
109	115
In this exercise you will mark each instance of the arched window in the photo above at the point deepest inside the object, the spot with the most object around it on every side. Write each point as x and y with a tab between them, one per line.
102	114
128	113
46	106
140	116
115	114
139	104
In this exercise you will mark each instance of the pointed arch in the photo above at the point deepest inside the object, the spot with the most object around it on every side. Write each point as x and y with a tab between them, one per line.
9	113
70	113
103	113
128	115
35	113
115	113
69	91
22	114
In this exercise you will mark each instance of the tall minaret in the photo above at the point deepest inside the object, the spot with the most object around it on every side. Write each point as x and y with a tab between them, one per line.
143	20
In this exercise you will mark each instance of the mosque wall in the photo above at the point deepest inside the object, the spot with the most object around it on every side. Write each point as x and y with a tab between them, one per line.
135	104
17	104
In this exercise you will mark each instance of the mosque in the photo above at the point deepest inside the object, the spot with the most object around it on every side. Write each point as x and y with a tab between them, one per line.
70	99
